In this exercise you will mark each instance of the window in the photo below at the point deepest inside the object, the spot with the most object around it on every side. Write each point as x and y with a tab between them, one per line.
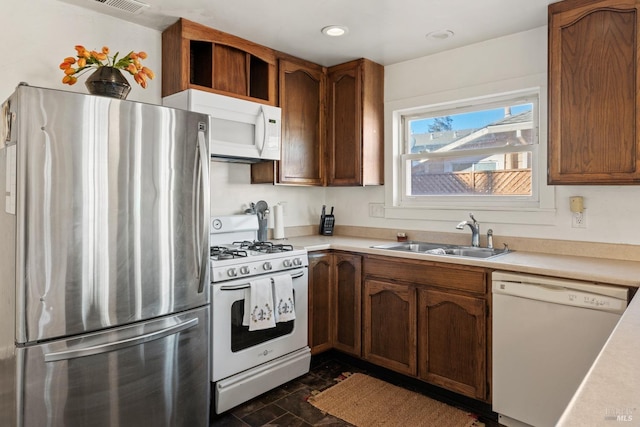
482	151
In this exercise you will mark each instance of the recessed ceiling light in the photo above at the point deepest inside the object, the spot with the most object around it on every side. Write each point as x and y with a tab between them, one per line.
335	30
440	35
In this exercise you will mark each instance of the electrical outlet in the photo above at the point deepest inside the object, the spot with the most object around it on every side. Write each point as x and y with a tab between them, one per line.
579	219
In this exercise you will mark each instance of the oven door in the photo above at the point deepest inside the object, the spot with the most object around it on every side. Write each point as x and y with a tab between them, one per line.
234	347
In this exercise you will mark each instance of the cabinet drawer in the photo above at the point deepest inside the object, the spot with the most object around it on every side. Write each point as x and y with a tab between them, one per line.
464	278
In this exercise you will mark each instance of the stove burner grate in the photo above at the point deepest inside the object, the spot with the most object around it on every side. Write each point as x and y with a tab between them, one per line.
264	247
221	252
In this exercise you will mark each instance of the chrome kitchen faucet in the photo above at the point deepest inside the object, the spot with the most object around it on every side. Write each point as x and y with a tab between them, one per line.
475	230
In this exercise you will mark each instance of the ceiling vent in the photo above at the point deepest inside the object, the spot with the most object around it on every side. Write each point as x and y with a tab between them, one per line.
129	6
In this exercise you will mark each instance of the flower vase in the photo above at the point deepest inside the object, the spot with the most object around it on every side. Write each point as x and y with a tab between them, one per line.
108	81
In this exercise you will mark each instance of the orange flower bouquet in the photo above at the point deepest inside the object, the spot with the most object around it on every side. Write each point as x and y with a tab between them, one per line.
74	68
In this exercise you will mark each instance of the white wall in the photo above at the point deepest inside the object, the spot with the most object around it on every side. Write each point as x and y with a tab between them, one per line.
494	64
40	33
232	192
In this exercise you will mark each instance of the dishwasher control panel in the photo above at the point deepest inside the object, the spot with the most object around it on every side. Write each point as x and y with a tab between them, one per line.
561	291
592	300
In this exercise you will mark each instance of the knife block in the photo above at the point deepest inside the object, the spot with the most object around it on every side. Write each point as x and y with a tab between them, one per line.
326	224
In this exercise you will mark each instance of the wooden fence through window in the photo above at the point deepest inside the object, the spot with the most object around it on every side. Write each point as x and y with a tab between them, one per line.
513	182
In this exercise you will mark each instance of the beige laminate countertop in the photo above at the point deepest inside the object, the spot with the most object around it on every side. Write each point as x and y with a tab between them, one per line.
610	391
615	272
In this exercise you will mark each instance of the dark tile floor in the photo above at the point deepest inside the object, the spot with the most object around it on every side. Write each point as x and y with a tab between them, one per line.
287	405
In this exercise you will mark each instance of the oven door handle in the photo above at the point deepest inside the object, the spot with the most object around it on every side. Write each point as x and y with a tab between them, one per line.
248	285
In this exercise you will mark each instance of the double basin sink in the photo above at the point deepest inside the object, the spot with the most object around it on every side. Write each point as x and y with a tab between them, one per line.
442	249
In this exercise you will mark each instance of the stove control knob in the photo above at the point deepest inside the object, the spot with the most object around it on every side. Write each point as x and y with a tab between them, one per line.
297	261
244	270
267	266
232	272
286	263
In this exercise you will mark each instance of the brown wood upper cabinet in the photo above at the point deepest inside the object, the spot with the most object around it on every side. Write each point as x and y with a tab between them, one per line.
594	92
198	57
350	120
301	90
355	124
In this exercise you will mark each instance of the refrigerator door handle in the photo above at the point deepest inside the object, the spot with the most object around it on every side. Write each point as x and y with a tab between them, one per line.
118	345
203	152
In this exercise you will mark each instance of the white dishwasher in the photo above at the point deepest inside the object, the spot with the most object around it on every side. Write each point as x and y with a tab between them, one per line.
546	335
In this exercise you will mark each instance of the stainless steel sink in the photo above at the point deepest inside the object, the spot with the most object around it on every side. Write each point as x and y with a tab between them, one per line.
412	246
474	252
443	249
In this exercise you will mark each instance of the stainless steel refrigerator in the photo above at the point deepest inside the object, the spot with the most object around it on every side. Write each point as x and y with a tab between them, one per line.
104	301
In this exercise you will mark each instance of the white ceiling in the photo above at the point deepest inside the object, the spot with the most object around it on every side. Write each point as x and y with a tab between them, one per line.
385	31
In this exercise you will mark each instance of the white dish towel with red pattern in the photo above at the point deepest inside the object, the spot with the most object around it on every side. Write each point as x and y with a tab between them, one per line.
258	305
283	294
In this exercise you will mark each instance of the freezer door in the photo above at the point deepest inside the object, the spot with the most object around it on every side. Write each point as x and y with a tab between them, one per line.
150	374
112	212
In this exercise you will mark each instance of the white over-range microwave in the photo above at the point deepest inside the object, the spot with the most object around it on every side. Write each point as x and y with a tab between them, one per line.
241	130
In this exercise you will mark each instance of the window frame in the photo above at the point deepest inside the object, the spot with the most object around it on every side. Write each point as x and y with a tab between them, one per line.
466	106
537	209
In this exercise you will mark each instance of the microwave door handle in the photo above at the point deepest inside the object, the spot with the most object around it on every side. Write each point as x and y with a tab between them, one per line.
203	153
261	131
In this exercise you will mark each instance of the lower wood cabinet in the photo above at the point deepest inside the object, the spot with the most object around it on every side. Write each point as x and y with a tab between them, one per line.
424	319
390	325
428	320
334	302
452	345
347	303
320	297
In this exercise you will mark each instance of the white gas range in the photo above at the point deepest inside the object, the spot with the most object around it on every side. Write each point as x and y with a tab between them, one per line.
247	363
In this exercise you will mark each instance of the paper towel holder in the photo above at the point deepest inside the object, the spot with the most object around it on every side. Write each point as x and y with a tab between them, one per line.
278	222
